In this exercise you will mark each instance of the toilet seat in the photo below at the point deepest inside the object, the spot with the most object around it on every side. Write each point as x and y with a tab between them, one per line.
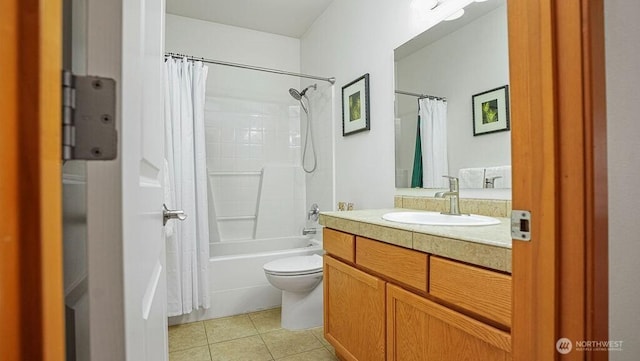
294	266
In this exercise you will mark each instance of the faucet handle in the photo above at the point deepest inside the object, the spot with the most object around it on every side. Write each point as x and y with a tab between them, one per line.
453	183
313	212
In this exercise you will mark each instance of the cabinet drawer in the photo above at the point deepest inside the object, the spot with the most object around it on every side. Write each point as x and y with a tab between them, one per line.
481	291
400	264
339	244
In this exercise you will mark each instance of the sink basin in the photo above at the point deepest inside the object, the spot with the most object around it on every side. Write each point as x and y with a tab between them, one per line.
438	219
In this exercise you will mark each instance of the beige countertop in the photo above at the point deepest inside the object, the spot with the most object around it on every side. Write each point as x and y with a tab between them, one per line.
487	246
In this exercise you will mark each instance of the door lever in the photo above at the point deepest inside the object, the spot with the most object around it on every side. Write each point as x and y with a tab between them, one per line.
168	214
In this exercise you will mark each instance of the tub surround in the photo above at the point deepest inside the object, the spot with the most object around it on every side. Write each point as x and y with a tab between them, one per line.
486	246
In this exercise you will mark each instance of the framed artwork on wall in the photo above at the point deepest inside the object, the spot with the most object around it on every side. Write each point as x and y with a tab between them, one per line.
491	111
355	106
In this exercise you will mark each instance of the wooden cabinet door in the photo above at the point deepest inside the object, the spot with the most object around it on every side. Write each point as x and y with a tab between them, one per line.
421	330
354	312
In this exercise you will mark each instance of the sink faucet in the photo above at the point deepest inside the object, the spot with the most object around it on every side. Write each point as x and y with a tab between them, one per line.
489	182
454	196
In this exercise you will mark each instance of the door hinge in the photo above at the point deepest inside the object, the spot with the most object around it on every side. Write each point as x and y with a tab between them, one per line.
88	117
521	225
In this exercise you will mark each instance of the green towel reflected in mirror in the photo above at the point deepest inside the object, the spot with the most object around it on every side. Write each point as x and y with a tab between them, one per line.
416	177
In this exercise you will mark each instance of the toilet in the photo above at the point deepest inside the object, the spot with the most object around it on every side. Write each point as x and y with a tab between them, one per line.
300	279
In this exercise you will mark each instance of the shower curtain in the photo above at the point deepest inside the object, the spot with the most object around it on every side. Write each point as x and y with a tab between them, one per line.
186	186
433	136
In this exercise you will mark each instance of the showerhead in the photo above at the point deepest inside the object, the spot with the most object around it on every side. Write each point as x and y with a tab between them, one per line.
298	95
295	94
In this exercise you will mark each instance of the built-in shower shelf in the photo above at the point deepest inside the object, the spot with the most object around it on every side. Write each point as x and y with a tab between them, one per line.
243	203
236	218
256	173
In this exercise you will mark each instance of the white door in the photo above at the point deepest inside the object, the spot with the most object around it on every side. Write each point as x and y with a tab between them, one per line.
142	170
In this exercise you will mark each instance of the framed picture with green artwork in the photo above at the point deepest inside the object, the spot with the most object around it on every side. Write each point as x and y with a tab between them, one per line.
355	106
491	111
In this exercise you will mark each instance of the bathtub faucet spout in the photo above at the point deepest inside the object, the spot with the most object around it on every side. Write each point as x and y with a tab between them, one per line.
307	231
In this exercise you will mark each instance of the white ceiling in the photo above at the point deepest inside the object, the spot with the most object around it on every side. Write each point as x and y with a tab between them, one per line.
471	12
285	17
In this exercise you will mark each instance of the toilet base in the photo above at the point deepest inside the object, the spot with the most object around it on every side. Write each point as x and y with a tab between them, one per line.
302	310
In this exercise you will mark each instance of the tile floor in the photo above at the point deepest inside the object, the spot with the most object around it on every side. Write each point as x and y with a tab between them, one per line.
254	336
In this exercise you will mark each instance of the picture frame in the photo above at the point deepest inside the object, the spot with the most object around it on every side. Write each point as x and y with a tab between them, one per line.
355	106
491	111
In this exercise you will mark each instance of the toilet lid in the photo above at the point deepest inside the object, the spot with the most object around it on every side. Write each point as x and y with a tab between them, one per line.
295	265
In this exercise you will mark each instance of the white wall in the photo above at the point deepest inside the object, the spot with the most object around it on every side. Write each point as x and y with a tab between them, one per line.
349	39
236	45
468	61
623	76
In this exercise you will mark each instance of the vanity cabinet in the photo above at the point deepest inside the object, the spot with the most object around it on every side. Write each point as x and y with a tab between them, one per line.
354	312
385	302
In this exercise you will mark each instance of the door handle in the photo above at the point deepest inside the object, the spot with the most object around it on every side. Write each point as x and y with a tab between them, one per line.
168	214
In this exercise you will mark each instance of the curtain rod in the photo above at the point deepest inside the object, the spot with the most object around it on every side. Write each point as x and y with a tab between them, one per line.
420	96
250	67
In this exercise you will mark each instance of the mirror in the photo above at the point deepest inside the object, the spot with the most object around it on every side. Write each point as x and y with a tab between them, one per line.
454	60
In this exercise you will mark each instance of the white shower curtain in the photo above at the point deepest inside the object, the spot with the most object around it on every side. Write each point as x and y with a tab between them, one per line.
433	135
186	186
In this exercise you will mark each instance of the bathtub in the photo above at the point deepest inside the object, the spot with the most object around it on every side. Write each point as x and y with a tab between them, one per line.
237	283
